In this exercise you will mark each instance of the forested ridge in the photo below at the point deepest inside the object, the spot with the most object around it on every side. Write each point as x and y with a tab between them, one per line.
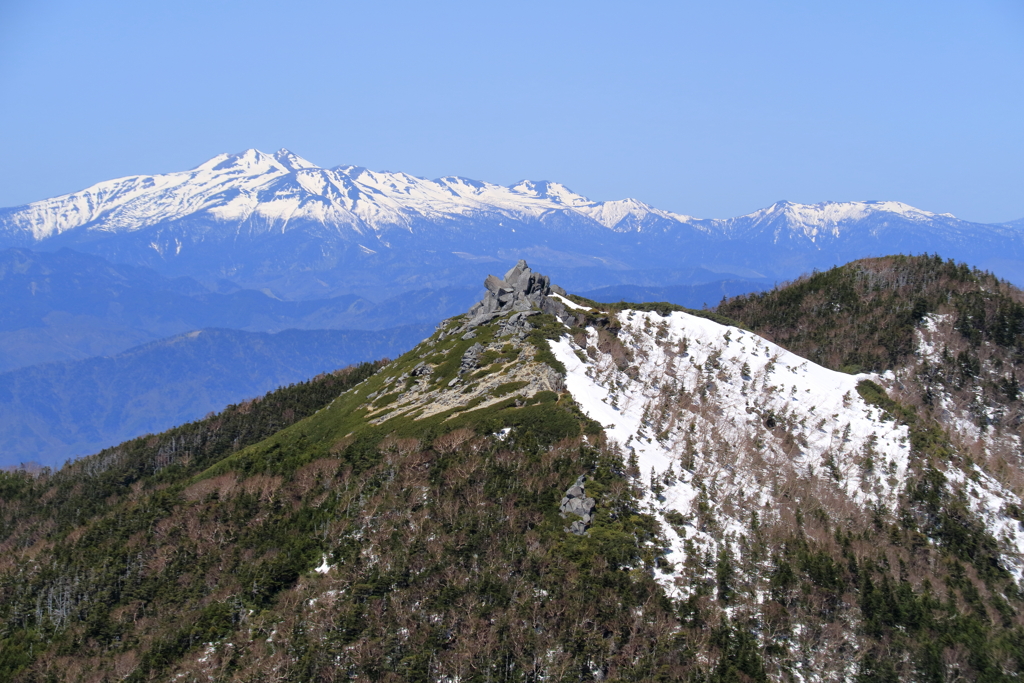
862	316
323	532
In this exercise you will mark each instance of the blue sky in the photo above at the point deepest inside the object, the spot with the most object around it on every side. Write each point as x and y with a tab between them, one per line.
710	109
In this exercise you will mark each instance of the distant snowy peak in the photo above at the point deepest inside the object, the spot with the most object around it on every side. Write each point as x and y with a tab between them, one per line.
284	187
133	202
553	192
254	162
624	215
826	218
255	193
832	213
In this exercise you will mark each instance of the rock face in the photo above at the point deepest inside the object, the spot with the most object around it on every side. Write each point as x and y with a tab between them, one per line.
522	291
576	503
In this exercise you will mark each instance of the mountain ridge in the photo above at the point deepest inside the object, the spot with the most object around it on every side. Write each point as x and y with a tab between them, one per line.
393	184
552	488
277	221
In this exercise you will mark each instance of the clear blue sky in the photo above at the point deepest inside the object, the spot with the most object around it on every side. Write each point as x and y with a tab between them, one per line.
708	108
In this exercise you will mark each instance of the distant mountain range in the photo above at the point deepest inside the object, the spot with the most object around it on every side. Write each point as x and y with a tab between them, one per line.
57	411
279	222
98	288
68	306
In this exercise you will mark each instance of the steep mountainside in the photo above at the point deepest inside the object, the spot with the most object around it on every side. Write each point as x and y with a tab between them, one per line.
279	222
547	488
951	337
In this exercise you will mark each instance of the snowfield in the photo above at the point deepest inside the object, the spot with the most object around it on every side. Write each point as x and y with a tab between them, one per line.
721	422
279	188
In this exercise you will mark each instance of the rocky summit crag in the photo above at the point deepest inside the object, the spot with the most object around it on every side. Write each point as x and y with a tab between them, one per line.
497	358
521	291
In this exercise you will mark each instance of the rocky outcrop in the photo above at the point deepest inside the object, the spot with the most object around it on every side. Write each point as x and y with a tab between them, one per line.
520	291
517	325
470	359
498	364
575	502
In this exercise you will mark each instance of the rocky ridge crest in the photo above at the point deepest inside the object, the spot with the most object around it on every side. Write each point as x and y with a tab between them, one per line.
496	360
520	291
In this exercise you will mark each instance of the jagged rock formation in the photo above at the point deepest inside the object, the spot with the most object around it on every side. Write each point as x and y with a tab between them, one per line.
496	360
470	359
575	502
521	291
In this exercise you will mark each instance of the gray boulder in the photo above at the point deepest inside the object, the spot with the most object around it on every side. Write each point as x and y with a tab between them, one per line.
575	502
470	359
517	325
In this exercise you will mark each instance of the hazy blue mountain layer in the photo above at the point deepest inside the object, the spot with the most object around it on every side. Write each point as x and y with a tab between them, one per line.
56	411
691	296
68	306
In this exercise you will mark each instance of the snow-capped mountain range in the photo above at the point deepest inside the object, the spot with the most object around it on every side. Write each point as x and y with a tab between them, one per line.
280	222
278	191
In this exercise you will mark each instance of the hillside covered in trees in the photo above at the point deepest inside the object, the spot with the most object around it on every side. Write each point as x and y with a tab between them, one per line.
752	516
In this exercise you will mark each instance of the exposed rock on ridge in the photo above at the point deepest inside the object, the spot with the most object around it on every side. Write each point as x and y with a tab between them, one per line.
521	291
496	362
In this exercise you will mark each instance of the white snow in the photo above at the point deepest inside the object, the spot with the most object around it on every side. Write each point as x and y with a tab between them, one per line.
986	495
813	221
280	190
988	499
282	187
833	434
568	303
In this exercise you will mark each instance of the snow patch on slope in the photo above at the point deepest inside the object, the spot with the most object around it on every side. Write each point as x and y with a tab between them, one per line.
705	398
987	497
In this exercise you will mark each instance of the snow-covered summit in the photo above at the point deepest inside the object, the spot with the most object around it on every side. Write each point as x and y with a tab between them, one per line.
814	221
283	187
279	221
